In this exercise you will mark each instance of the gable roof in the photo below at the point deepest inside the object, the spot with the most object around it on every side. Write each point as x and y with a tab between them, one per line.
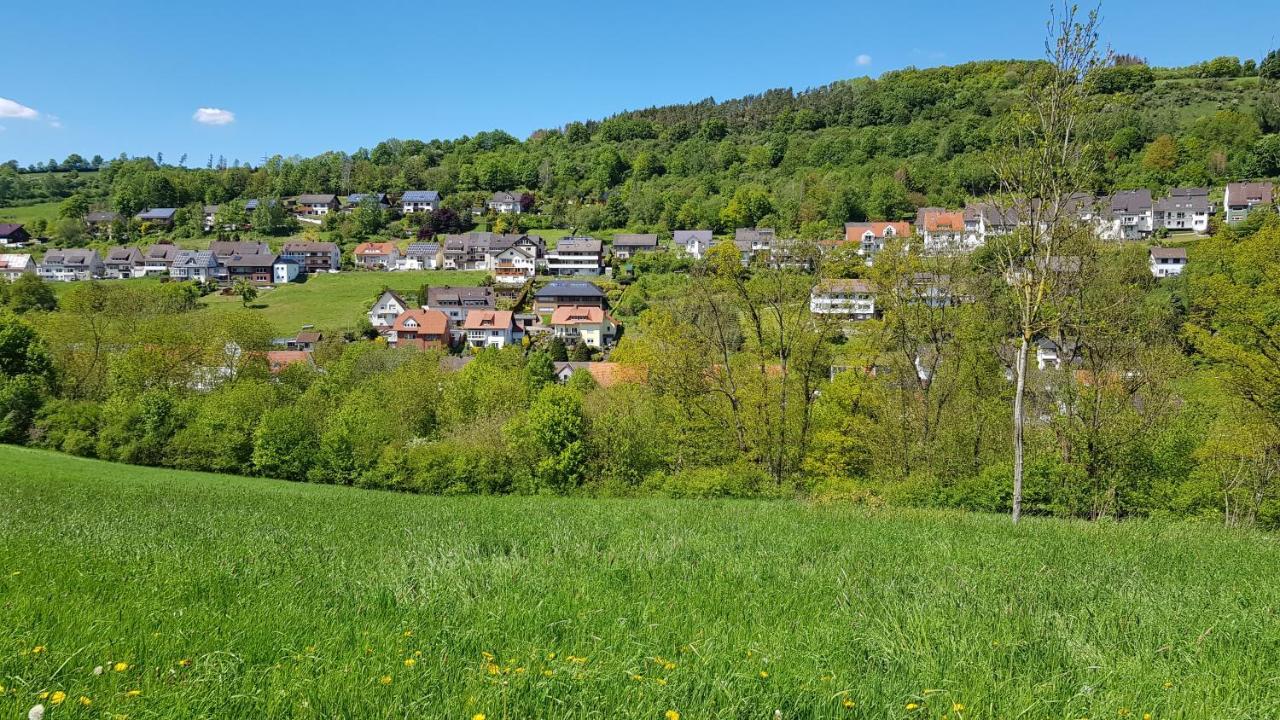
420	196
1129	202
101	216
853	231
304	246
278	360
123	254
376	248
1245	193
488	320
250	260
503	196
578	315
578	244
194	259
15	262
684	237
1194	200
451	296
9	229
393	295
754	234
71	256
224	248
606	374
845	285
427	322
1169	252
318	199
636	240
422	248
357	198
157	214
943	221
162	251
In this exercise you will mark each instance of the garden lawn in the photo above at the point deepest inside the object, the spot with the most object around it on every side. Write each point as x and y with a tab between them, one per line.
216	596
336	302
26	214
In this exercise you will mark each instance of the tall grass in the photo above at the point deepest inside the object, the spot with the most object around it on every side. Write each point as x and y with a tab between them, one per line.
294	600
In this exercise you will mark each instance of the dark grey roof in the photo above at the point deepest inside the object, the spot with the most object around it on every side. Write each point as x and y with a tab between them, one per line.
569	288
1195	200
422	248
452	296
322	199
1246	193
357	198
225	248
193	258
70	256
754	234
1169	252
304	246
578	244
124	254
636	240
502	196
1131	202
162	251
420	196
157	214
252	260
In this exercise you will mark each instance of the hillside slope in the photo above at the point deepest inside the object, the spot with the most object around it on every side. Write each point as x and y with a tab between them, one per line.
232	597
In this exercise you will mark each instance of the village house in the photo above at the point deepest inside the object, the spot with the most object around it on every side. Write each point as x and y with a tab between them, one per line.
419	201
161	217
590	326
456	302
200	266
313	205
13	267
1184	209
258	268
1167	261
158	258
306	340
853	299
476	250
567	292
575	256
1050	355
420	328
943	232
223	249
1129	217
694	243
70	264
627	245
285	270
490	328
209	212
420	256
514	266
984	220
1242	197
506	202
355	200
98	220
14	235
123	263
377	255
278	360
386	309
870	237
756	240
606	374
313	257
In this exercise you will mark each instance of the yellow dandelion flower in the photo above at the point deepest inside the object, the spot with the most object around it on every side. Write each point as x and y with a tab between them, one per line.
847	703
385	679
913	706
478	716
519	671
578	660
408	633
764	674
551	656
668	666
957	707
57	697
120	666
1146	716
417	653
311	648
1167	685
184	662
671	715
410	662
636	678
493	669
548	673
84	701
43	695
661	681
1124	712
133	693
37	650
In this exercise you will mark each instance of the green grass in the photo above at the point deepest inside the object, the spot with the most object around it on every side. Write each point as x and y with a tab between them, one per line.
336	302
293	600
26	214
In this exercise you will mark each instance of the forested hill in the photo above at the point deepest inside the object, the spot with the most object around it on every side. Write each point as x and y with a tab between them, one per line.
803	162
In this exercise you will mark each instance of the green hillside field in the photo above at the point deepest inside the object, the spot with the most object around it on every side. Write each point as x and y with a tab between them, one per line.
215	596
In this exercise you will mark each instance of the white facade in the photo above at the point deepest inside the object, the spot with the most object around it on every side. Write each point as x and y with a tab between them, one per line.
694	243
285	270
384	312
513	266
13	267
575	256
1167	262
854	299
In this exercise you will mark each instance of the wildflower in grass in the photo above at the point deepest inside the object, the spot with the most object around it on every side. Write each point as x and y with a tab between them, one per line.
1167	685
84	701
310	649
184	662
957	707
42	695
385	679
37	650
478	716
671	715
408	633
57	697
36	713
417	653
548	673
133	693
1124	712
519	671
488	656
668	666
913	706
97	670
661	682
764	674
847	703
637	678
551	656
1146	716
410	662
492	669
120	666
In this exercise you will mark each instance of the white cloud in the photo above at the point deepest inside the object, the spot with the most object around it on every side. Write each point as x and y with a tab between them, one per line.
864	59
54	121
214	116
13	109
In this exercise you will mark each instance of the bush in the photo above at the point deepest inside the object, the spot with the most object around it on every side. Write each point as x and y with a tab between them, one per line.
739	480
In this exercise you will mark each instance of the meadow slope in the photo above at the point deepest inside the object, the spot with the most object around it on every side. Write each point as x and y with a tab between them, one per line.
216	596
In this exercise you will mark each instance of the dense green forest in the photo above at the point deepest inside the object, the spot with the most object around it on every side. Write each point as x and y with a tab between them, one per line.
803	162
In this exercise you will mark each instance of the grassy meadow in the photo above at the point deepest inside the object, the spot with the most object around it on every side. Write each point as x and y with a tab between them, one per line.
217	596
26	214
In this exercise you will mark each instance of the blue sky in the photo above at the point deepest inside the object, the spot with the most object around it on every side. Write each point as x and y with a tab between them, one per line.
304	77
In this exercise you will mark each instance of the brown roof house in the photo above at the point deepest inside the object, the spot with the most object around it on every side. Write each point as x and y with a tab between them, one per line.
423	329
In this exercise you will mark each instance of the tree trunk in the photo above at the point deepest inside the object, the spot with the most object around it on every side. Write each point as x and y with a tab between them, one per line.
1020	371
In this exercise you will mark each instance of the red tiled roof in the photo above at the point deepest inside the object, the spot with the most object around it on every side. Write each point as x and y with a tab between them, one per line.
383	248
429	322
854	231
577	314
487	320
944	222
278	360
